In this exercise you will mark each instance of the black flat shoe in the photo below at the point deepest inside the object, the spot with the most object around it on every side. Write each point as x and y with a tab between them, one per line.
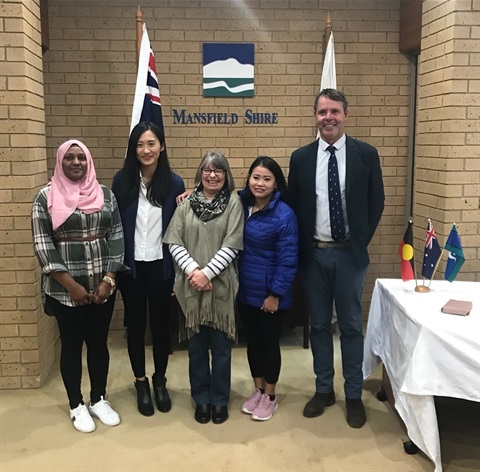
203	413
144	397
316	405
219	414
356	415
160	392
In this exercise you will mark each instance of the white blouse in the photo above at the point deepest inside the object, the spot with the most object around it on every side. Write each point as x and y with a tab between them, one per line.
148	229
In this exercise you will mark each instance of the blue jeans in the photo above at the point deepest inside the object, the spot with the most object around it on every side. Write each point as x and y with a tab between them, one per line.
332	276
210	385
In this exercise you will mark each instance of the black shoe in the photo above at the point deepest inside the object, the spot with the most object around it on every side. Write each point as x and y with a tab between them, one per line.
144	397
317	404
203	413
356	415
219	414
160	392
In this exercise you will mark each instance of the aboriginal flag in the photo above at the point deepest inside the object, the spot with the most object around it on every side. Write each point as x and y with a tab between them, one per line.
405	251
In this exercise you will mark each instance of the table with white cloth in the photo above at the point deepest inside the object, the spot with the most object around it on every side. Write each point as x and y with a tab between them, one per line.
425	352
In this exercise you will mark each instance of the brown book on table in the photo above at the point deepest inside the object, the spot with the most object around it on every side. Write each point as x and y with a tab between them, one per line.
457	307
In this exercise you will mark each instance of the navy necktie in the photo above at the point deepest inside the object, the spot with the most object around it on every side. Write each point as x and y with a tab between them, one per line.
337	222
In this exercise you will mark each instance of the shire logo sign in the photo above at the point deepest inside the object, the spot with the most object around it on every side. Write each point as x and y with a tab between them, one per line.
228	70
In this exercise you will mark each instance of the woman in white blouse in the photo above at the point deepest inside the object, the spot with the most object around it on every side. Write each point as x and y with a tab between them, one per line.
146	189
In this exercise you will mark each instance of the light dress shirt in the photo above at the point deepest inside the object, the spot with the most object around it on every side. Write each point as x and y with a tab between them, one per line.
322	221
148	229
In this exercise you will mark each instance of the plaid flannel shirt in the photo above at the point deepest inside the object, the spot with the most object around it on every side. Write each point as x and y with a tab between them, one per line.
86	261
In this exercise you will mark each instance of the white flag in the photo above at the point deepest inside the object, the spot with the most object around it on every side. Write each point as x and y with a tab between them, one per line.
329	73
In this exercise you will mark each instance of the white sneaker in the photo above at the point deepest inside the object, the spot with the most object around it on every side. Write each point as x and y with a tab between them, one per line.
104	412
82	421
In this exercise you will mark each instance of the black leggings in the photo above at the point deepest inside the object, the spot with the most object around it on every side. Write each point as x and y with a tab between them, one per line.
263	341
89	324
149	291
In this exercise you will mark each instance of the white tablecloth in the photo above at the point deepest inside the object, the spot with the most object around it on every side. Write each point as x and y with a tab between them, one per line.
425	352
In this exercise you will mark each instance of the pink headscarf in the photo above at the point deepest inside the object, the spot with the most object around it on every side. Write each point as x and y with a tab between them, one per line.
66	196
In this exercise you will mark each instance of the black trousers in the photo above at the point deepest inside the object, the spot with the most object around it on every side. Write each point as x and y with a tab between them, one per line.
148	291
89	324
263	341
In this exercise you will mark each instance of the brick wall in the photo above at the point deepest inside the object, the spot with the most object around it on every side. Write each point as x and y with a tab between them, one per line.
90	75
26	335
447	163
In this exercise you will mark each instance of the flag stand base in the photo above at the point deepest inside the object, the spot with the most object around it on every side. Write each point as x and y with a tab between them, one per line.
422	289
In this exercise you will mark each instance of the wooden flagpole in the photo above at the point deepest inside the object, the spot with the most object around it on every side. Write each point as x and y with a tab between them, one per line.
139	17
326	34
436	266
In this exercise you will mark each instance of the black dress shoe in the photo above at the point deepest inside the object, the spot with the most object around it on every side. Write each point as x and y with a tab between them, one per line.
144	397
356	415
160	392
203	413
219	414
316	406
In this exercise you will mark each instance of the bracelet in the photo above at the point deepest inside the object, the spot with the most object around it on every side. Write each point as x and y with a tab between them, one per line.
110	282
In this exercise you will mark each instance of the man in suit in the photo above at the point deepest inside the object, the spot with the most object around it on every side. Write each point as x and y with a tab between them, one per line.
335	228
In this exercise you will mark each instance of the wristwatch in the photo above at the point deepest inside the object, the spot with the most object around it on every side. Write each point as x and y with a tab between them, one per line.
111	282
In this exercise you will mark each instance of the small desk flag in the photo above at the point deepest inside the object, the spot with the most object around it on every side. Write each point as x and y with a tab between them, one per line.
455	257
405	250
432	252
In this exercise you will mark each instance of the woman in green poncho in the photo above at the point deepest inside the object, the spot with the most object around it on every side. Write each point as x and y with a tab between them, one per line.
205	236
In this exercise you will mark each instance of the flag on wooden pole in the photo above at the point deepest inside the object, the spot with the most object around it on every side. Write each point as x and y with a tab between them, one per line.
329	73
147	105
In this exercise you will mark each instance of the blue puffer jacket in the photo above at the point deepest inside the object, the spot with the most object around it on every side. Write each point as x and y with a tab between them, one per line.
269	259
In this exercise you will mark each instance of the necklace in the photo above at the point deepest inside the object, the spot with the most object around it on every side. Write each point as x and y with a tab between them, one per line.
146	180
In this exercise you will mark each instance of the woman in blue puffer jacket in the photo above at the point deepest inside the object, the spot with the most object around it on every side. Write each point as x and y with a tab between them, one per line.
267	269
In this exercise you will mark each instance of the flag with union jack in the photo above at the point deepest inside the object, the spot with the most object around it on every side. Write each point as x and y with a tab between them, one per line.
147	105
432	252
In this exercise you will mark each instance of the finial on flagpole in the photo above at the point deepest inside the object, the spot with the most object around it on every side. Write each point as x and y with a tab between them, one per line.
328	22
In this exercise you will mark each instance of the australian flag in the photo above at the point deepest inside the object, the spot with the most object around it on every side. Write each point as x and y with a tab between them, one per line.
432	253
147	105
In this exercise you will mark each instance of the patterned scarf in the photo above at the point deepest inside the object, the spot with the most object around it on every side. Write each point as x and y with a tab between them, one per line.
209	210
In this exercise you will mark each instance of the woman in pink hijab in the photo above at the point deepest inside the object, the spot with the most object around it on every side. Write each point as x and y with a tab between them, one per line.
78	240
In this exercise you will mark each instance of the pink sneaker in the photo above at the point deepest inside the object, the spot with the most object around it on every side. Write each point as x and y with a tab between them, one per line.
265	409
252	401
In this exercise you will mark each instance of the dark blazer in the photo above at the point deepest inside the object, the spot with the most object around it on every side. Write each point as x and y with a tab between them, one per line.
129	218
364	194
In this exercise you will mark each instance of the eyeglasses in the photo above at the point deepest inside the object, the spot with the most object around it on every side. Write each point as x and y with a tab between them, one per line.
217	172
